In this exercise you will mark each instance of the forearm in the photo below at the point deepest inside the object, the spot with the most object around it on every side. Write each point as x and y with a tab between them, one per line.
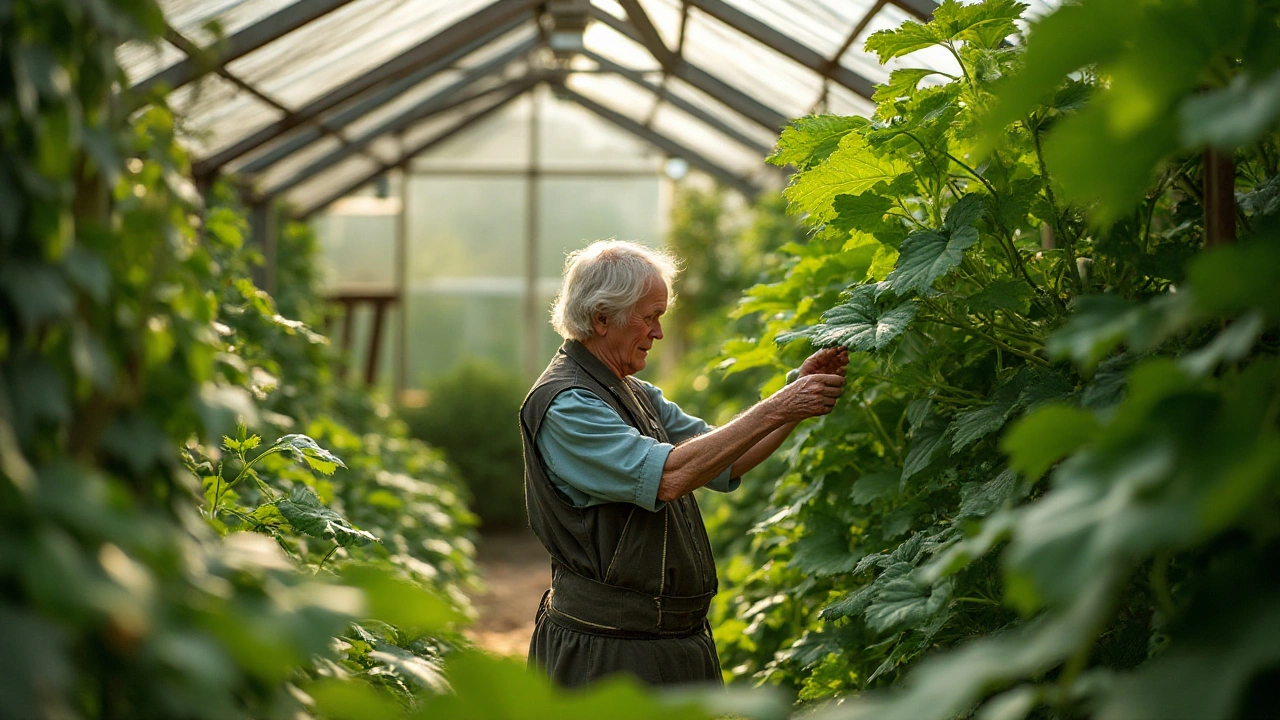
757	453
699	460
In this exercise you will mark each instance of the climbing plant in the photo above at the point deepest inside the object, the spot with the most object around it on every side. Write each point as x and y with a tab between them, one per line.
1052	482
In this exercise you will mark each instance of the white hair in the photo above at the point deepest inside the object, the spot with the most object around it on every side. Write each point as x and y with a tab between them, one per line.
610	277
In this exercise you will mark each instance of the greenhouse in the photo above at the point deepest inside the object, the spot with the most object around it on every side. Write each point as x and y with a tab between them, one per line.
959	320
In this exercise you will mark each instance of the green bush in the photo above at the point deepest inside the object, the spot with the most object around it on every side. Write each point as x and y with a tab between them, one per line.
471	413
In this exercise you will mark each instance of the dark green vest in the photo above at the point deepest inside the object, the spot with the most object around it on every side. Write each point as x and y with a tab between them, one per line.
630	588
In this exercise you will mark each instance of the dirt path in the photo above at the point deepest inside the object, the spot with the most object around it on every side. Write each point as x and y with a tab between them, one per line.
515	571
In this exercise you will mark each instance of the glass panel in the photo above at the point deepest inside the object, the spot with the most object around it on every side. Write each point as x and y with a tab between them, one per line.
446	328
707	142
287	168
574	212
189	17
345	44
357	244
142	60
755	69
212	112
842	101
574	137
689	93
465	227
324	185
613	45
500	140
401	104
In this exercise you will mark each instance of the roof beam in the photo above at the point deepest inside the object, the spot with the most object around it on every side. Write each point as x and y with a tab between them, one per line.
442	101
662	142
238	45
922	9
678	102
522	86
784	44
649	35
723	92
402	72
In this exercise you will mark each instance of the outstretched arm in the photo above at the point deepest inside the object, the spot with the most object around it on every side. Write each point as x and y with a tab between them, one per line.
752	436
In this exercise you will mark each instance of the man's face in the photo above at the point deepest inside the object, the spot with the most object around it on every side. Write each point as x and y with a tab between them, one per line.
628	346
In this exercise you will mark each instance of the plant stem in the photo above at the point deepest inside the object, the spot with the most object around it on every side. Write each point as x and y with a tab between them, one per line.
1068	243
974	173
884	434
998	343
327	556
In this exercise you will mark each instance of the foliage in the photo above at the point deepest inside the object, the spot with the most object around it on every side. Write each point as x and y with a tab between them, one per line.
1058	446
471	414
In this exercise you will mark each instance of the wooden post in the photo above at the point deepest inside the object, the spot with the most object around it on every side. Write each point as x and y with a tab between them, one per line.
1219	198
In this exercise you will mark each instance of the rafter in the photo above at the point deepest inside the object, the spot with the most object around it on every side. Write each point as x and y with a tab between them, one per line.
662	142
462	124
637	78
724	93
442	101
784	44
238	45
397	74
921	9
649	35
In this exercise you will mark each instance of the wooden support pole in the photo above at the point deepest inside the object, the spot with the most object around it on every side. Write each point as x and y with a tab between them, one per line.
1219	198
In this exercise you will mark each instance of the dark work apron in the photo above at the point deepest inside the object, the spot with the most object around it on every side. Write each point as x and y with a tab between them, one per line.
630	588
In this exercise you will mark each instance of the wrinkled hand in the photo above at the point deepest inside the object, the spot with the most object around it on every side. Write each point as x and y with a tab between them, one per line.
809	396
827	361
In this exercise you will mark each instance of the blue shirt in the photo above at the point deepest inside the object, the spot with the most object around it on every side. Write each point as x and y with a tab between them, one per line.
593	457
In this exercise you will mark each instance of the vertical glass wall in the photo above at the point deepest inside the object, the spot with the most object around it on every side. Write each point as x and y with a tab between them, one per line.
489	217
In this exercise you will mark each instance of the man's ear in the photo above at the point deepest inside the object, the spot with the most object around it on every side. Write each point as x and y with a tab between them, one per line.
600	323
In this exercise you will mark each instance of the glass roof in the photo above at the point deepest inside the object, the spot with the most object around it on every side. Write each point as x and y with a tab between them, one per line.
304	98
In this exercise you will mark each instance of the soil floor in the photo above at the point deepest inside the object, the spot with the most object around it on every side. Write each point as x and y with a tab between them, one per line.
515	571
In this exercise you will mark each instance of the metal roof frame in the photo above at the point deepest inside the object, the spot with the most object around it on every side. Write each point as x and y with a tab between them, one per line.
443	100
515	89
339	107
662	142
238	45
418	62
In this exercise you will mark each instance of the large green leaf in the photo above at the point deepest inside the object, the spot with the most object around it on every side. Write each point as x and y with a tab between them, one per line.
307	515
905	602
986	24
858	324
306	450
927	255
809	140
854	168
824	547
925	441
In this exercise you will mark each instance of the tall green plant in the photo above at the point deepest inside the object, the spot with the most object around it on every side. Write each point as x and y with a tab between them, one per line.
1019	241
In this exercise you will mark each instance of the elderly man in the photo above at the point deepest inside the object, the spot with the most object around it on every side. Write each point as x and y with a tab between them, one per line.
610	470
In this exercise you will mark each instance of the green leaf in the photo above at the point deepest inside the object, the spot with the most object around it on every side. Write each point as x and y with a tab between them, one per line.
857	324
305	450
1045	435
307	515
869	488
902	84
1098	325
1003	294
421	671
824	546
906	38
904	602
973	425
985	24
926	256
1233	116
853	169
809	140
864	212
925	441
982	499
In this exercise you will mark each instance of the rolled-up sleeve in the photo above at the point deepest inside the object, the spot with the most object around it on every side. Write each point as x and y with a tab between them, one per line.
594	457
681	426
